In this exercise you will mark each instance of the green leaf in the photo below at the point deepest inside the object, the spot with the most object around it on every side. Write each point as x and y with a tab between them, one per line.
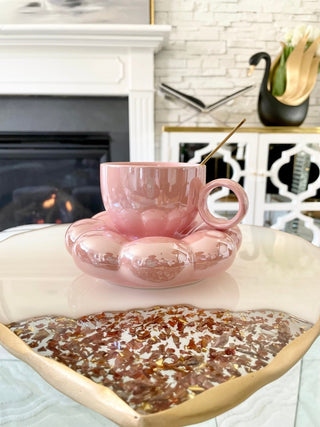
286	51
279	77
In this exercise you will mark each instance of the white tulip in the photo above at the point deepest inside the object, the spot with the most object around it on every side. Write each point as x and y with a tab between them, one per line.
310	30
288	36
298	33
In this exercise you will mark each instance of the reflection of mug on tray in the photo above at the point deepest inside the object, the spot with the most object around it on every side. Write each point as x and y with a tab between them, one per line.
162	199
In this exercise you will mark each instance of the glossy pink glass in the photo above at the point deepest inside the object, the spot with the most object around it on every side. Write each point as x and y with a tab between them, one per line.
162	199
157	230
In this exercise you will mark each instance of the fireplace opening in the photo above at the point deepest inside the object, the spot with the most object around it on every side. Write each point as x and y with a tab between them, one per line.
51	148
50	178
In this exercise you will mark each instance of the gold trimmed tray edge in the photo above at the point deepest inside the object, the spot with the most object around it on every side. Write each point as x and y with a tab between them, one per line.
202	407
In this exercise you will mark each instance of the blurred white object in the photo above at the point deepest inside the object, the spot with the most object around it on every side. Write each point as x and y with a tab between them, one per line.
63	6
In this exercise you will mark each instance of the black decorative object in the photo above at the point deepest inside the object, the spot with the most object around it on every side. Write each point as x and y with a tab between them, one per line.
271	111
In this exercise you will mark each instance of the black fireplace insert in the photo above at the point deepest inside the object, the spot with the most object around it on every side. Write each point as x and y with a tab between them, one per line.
50	177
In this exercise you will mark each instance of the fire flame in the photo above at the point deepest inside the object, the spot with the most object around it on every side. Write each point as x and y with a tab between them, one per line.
68	205
47	204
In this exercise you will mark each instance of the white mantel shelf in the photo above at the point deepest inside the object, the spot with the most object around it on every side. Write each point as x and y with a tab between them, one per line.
87	60
148	36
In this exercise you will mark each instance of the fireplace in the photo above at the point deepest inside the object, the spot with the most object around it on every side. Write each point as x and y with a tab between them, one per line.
99	60
50	178
51	148
60	87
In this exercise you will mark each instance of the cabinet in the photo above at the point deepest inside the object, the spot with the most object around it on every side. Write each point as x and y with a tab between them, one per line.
279	167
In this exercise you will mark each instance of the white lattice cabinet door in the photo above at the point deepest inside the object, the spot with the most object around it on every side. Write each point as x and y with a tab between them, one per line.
288	184
279	169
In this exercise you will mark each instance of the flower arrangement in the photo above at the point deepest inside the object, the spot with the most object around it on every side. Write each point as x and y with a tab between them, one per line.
294	72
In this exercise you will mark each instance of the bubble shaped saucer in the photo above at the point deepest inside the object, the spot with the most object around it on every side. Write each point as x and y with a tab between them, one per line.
99	250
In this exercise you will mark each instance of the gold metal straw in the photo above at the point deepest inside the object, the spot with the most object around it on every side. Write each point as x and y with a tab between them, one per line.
204	161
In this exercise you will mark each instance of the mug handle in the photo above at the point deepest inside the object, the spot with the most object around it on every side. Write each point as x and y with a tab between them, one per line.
221	223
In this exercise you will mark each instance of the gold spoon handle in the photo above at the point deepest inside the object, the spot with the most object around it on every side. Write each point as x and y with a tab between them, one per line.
204	161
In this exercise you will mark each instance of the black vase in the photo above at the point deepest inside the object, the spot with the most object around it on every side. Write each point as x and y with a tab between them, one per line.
271	111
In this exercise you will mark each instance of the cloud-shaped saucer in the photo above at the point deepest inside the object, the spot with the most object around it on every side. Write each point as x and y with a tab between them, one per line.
99	250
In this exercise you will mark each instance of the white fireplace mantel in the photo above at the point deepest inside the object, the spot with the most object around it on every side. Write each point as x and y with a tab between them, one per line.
87	60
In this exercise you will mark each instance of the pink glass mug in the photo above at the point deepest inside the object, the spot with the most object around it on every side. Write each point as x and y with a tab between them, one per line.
162	199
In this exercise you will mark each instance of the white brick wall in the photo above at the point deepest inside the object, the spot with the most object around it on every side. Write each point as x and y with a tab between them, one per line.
208	51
